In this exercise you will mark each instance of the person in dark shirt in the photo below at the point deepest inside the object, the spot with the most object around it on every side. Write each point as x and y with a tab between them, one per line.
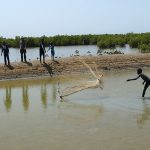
42	51
5	51
23	49
146	80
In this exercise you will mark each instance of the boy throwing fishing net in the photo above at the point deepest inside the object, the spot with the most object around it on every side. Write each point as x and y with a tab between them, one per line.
145	78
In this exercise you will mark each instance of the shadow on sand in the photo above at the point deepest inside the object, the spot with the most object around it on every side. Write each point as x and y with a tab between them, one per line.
10	67
49	69
56	61
28	63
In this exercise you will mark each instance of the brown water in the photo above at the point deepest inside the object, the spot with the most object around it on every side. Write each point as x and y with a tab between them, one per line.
115	118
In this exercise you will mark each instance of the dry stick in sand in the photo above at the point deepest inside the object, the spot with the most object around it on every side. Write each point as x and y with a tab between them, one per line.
75	89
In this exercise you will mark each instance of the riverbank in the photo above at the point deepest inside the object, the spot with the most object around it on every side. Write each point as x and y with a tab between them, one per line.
72	65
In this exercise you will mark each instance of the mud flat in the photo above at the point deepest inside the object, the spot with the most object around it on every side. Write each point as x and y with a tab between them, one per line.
72	65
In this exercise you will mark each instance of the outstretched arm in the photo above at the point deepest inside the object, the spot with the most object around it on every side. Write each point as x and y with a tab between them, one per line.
133	79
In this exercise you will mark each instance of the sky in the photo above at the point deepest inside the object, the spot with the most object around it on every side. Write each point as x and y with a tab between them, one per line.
73	17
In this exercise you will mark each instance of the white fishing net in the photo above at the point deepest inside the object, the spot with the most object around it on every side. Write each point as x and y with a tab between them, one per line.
89	84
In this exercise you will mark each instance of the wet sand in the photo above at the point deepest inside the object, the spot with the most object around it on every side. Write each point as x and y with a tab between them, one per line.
72	65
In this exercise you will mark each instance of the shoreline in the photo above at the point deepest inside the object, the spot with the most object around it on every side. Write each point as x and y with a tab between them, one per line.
72	65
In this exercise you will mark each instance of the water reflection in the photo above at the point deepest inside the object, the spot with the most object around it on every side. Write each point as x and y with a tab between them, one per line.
8	100
145	116
42	92
25	97
79	113
44	95
54	93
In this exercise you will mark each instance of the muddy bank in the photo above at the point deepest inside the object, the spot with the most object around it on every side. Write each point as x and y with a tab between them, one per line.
72	65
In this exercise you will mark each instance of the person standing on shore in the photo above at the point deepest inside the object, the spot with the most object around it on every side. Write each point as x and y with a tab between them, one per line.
52	51
42	50
5	52
23	49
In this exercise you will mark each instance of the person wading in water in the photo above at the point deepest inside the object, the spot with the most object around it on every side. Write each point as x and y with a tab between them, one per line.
144	77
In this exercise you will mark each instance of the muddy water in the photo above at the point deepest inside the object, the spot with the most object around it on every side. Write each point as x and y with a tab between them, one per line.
115	118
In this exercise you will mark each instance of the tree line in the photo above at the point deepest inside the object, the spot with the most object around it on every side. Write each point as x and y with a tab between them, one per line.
103	41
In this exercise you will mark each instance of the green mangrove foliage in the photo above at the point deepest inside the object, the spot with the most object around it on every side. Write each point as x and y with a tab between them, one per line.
59	40
111	41
104	41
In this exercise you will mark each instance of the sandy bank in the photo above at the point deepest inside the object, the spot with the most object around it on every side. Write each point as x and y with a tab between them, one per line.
72	65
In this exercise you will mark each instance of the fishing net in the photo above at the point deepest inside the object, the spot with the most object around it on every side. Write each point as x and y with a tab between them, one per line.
89	84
